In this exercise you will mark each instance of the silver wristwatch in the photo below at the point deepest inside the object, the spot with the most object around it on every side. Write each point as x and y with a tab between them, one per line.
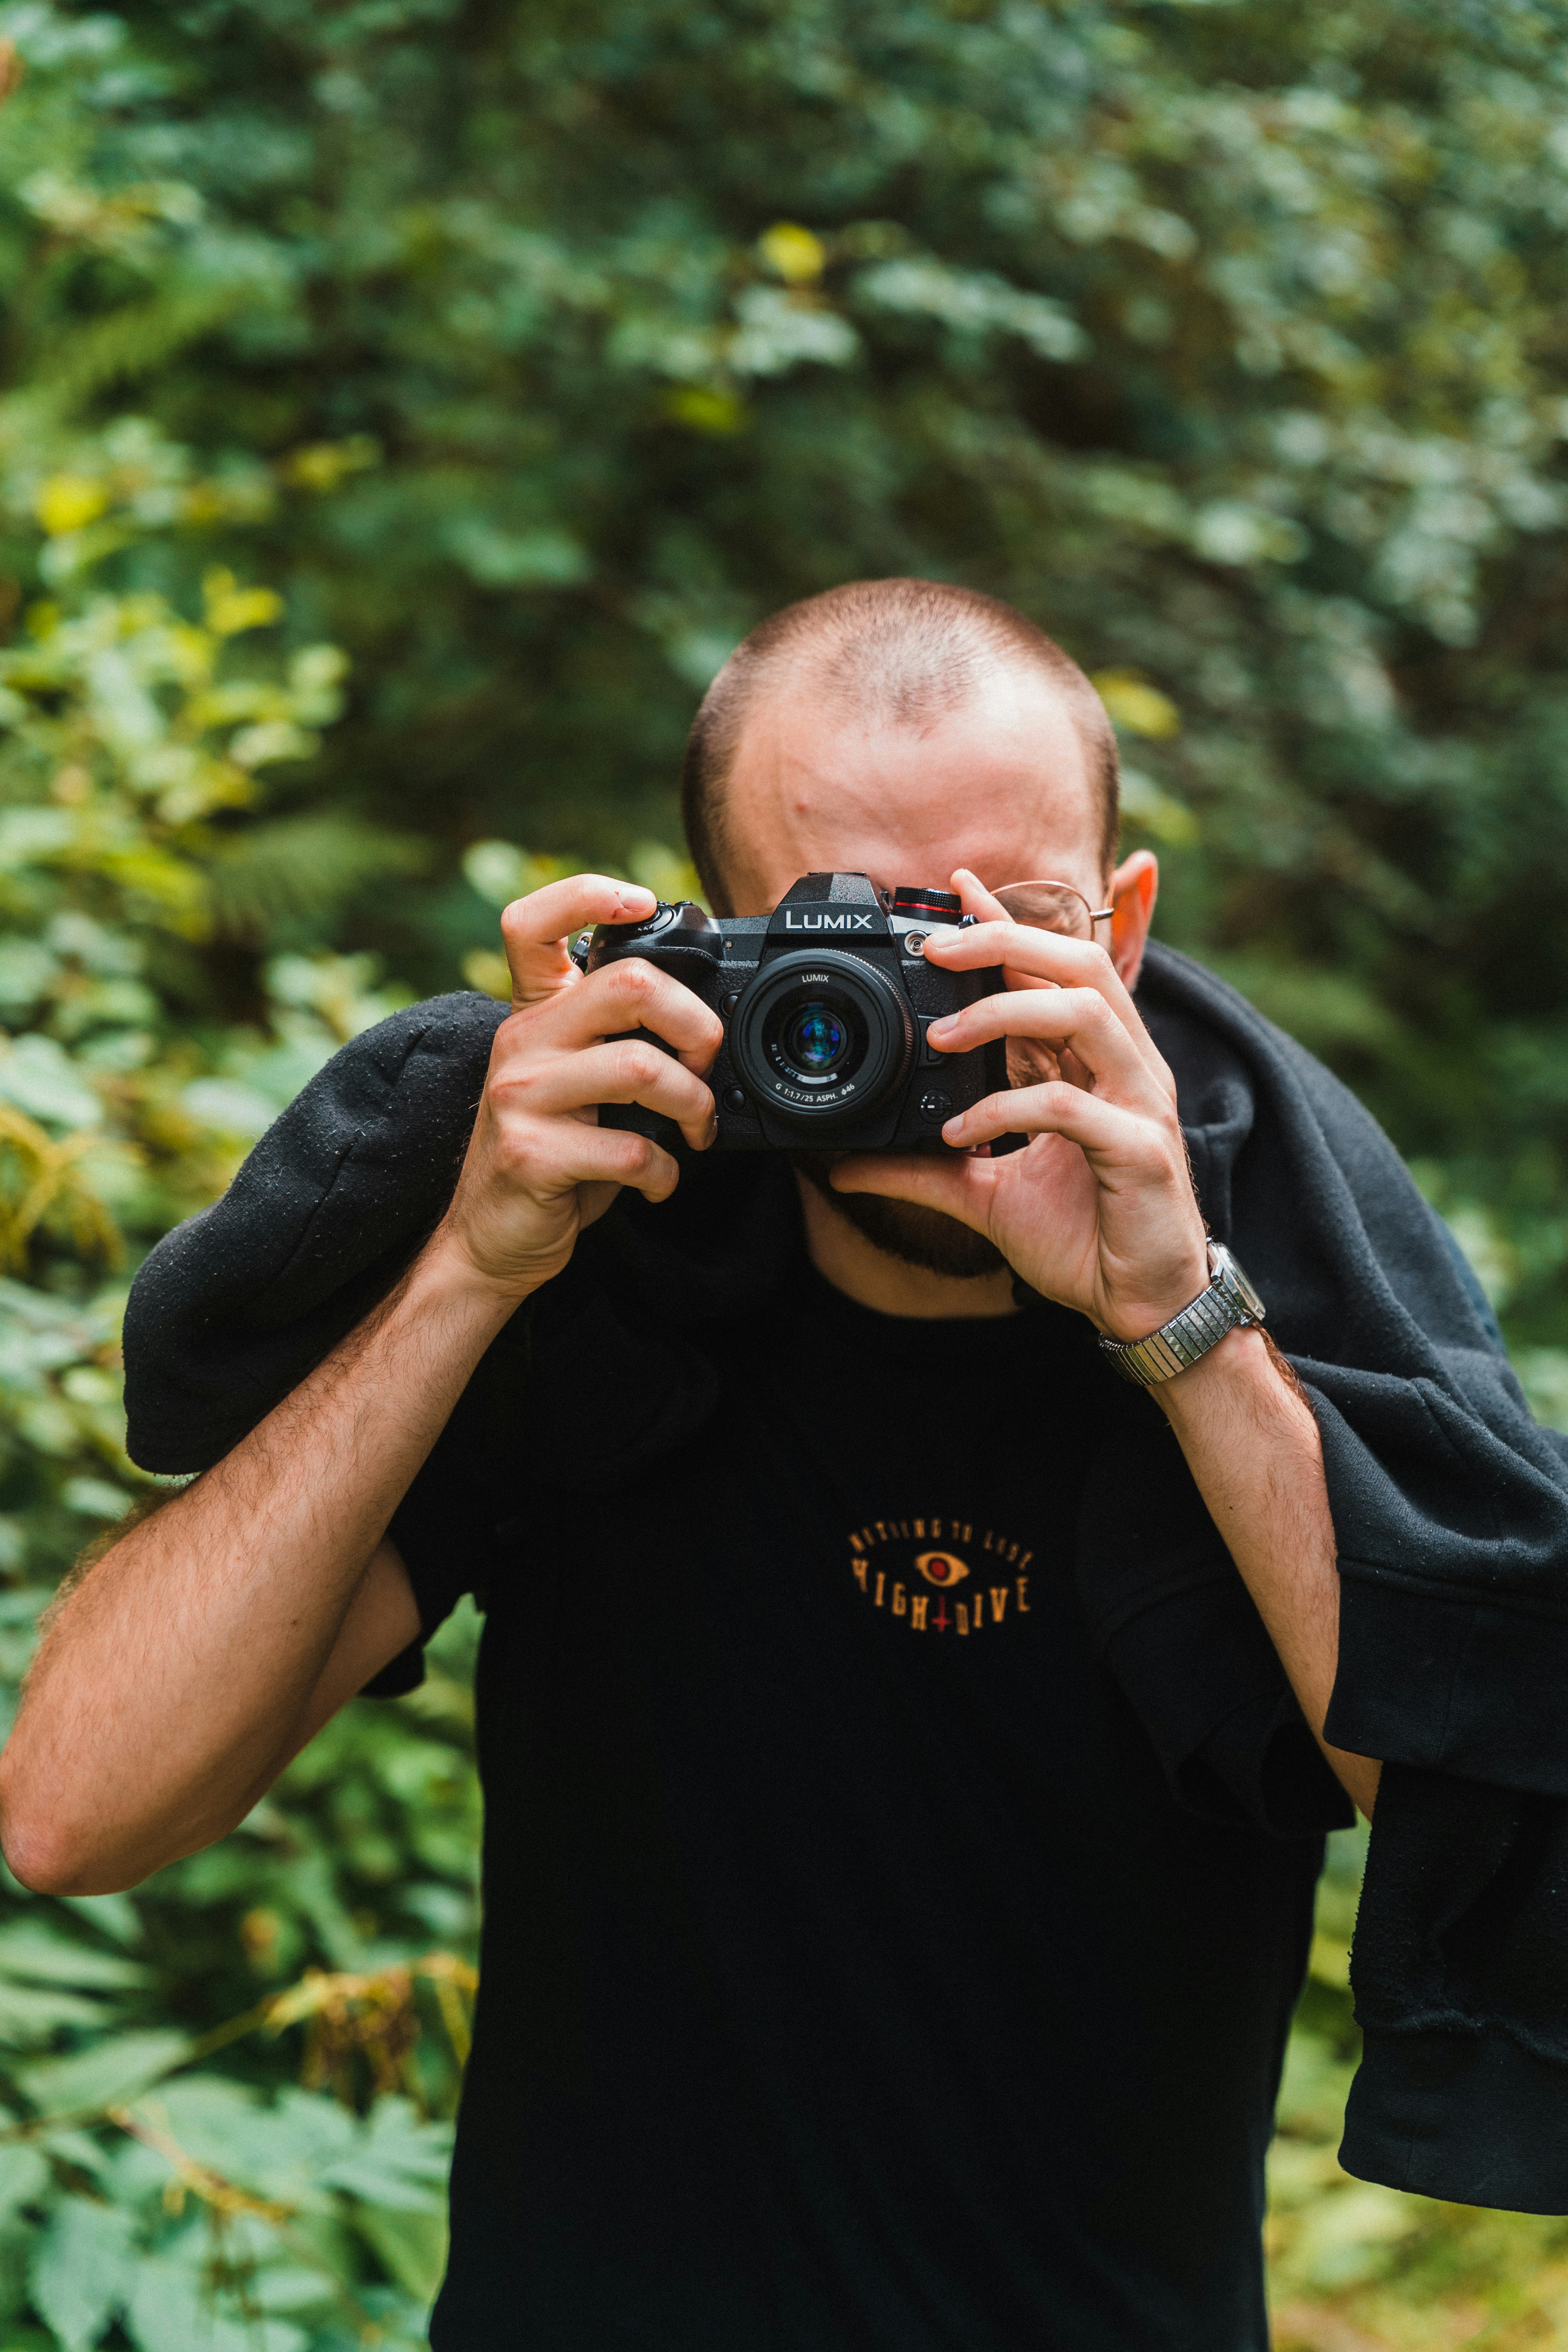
1229	1303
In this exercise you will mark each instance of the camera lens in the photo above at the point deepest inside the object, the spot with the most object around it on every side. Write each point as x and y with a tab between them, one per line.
822	1038
815	1040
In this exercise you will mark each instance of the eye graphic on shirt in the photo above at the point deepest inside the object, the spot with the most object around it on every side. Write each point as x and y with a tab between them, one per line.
943	1567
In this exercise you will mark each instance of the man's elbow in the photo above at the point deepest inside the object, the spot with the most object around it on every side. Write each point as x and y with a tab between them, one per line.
49	1852
48	1862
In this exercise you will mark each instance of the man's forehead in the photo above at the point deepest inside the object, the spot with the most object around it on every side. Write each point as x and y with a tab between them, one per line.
1000	782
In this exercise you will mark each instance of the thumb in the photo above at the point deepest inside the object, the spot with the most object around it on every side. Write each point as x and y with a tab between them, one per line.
958	1184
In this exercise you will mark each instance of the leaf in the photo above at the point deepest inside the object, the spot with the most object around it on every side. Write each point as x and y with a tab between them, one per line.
76	2148
412	2245
229	1109
399	2162
66	502
29	833
30	1948
526	558
110	2072
82	2270
974	302
795	253
95	1498
40	1078
113	1914
170	2310
31	2015
291	2286
305	865
25	2174
279	2149
231	610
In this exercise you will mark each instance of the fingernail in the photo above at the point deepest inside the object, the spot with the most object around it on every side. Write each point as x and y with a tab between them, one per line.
943	1028
951	1128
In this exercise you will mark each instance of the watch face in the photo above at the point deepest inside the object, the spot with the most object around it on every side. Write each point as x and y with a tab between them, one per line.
1235	1283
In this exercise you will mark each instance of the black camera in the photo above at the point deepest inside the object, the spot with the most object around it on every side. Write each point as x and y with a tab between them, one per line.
826	1003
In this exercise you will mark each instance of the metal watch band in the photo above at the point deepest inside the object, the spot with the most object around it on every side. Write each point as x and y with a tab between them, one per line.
1229	1303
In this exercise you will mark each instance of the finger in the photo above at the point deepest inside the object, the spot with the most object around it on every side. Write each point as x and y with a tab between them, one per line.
976	899
535	931
1108	1132
1076	1021
622	1070
631	993
1030	956
561	1154
1052	956
958	1186
985	907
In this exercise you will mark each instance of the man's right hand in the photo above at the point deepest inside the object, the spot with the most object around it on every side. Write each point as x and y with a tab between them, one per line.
539	1168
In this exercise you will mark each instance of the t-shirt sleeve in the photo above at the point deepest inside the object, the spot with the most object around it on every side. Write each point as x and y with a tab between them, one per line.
1206	1682
1171	1619
442	1530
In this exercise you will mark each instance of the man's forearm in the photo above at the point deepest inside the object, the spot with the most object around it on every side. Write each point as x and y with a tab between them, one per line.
175	1678
1253	1447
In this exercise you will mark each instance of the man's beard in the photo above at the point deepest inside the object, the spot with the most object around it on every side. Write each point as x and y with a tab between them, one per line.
920	1236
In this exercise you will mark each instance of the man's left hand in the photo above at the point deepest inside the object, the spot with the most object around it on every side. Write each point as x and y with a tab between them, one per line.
1098	1211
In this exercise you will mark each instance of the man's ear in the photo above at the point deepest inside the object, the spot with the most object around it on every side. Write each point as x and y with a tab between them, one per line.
1134	886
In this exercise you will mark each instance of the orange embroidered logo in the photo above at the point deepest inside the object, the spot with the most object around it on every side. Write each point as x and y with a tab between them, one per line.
997	1569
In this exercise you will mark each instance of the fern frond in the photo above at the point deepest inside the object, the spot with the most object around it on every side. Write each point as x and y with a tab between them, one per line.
303	866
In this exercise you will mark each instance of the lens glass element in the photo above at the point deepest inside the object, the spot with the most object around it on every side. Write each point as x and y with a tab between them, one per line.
815	1039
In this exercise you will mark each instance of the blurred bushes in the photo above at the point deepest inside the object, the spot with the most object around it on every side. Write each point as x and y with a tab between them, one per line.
139	2189
405	409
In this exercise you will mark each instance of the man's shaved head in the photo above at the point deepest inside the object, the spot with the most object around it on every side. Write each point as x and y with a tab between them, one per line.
888	654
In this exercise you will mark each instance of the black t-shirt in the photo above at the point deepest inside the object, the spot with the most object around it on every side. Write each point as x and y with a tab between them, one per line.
852	1979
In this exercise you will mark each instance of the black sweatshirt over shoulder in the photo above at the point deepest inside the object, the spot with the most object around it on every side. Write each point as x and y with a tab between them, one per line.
1449	1503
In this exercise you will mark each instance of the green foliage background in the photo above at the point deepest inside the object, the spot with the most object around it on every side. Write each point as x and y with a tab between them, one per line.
404	406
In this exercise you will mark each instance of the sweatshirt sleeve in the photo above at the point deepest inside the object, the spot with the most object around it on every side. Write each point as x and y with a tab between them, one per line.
1450	1507
234	1307
1458	1968
1450	1502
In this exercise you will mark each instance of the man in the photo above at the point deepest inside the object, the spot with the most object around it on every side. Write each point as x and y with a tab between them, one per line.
854	1974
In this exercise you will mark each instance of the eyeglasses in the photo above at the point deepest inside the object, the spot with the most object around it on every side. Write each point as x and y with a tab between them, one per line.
1052	906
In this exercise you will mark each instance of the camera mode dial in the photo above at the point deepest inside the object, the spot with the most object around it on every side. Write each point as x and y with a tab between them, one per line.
670	932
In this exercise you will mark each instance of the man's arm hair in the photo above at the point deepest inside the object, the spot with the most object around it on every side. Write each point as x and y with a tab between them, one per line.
1247	1427
99	1547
